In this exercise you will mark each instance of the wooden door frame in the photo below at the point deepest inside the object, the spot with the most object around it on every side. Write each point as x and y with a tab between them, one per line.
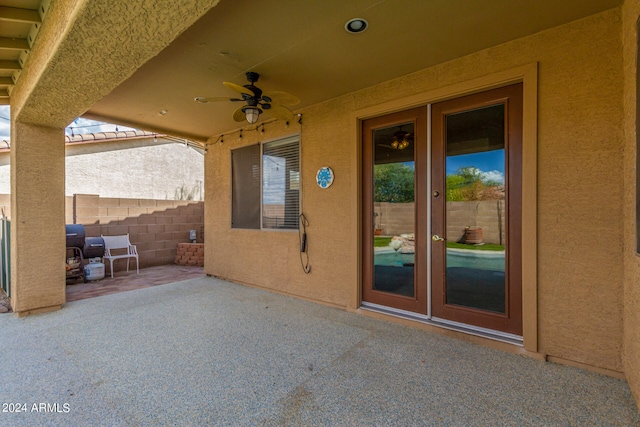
511	320
417	303
452	87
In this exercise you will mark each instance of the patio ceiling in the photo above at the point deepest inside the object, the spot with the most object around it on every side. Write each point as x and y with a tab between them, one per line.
302	47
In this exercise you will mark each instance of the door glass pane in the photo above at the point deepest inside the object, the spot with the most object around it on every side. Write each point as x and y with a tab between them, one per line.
393	197
475	212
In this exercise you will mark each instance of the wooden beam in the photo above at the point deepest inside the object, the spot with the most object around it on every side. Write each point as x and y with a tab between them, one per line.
13	44
10	65
4	93
14	14
6	81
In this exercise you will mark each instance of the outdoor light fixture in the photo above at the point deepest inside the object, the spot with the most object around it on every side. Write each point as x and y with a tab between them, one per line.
252	114
356	25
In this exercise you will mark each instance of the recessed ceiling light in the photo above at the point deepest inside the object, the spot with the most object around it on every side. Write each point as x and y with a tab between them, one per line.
356	25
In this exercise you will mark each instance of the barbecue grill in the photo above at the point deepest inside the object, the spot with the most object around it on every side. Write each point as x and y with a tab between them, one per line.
93	247
75	247
75	236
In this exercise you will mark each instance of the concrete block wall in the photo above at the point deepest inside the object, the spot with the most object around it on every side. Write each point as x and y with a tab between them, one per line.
398	218
156	227
486	214
394	218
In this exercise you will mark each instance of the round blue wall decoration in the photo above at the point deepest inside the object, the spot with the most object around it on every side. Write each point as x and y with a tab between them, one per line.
324	177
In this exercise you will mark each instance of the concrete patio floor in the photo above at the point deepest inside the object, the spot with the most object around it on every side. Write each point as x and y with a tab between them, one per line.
205	352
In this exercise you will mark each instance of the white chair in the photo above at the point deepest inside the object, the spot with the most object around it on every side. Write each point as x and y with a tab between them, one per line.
119	247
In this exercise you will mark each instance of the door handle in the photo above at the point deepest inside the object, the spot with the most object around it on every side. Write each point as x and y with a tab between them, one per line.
437	238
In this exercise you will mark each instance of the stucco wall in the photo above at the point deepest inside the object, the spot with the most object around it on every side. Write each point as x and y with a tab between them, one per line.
631	12
135	168
579	189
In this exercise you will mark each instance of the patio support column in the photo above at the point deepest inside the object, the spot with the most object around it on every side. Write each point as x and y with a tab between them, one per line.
38	278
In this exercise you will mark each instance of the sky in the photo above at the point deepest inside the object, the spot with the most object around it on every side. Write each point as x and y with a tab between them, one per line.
5	122
78	126
490	164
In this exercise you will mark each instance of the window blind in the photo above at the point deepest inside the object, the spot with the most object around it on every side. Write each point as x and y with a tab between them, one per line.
281	184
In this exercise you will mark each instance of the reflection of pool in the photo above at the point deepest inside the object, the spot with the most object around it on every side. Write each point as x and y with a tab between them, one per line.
393	259
481	260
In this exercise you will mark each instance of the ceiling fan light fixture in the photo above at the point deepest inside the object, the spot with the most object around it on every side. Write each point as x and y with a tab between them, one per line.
252	114
356	25
400	140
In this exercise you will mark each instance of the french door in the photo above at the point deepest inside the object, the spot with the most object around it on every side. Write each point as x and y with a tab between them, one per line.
441	221
395	196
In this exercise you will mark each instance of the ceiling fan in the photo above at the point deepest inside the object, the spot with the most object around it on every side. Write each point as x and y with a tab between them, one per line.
256	101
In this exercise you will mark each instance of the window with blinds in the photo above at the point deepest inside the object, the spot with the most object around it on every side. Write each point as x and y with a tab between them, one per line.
245	187
266	194
281	184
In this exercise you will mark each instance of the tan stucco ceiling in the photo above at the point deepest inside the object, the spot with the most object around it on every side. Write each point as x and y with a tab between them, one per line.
301	47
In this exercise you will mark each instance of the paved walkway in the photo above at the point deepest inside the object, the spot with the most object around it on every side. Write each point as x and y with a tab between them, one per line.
123	281
206	352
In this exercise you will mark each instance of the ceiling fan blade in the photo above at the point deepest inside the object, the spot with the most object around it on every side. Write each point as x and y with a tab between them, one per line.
283	98
204	100
238	88
238	115
280	112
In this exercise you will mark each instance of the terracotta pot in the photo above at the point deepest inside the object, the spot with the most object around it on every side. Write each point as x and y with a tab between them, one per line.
473	235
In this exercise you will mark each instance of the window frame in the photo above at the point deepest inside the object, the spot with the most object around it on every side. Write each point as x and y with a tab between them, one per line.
245	204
